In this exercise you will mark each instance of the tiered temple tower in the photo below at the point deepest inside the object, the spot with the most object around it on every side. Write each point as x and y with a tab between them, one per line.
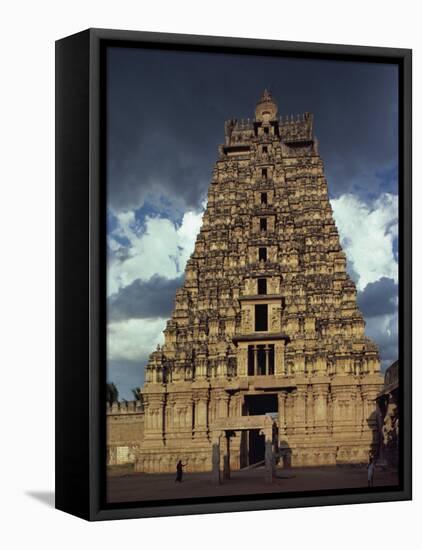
266	322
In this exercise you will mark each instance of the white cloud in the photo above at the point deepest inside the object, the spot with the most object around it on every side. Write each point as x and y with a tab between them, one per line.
187	235
367	233
134	339
160	247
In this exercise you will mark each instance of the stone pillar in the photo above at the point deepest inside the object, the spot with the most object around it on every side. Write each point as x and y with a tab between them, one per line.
222	366
146	413
226	456
170	414
267	432
269	461
310	412
299	363
267	362
154	416
242	357
201	367
321	363
279	366
336	412
289	410
358	412
188	413
299	409
255	360
176	417
226	466
148	375
281	414
215	459
222	404
201	409
320	393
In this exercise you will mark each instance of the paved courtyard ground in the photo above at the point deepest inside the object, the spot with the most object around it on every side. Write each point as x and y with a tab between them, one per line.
126	486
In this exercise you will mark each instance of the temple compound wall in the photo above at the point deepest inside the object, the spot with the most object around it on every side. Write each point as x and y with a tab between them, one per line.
266	323
125	431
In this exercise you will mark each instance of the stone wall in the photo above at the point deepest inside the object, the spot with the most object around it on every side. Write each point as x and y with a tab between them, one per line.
125	432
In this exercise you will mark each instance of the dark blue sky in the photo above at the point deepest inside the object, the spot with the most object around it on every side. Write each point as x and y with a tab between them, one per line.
166	113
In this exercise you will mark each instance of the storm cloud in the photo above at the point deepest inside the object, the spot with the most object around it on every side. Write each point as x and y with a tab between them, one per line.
379	298
383	329
166	113
144	299
165	119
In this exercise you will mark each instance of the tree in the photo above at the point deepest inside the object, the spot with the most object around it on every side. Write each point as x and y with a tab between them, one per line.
112	393
137	394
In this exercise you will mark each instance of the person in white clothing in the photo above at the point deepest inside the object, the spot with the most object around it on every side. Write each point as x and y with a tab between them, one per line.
371	471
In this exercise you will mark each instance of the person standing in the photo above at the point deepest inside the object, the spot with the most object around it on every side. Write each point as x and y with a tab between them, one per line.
179	471
371	471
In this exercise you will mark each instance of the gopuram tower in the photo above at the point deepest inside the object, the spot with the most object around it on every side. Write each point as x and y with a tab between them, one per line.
265	331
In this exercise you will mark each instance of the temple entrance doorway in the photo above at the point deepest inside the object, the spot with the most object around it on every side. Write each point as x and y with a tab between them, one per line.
256	447
257	436
252	443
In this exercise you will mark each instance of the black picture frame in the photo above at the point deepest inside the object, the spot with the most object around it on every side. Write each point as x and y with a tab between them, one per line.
80	271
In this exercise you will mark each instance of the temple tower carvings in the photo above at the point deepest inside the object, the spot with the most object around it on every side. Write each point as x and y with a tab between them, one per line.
266	321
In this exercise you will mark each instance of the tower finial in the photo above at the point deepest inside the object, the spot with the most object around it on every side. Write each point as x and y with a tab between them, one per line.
266	96
266	108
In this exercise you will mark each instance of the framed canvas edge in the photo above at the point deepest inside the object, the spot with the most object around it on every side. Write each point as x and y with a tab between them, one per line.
96	409
72	303
257	44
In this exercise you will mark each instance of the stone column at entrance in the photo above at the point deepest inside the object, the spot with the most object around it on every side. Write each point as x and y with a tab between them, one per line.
283	447
267	432
269	461
226	455
282	414
215	459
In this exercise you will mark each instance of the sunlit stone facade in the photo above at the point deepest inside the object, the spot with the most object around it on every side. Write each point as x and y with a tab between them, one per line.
266	321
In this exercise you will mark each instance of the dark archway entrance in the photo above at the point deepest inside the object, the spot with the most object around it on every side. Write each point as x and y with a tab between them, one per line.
253	427
256	447
252	443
